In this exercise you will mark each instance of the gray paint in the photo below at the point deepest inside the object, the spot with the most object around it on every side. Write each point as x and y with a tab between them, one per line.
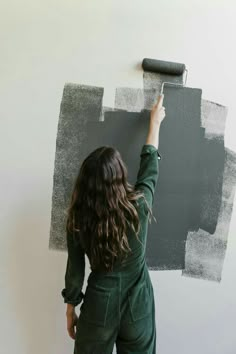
177	201
104	110
196	186
212	171
205	252
79	105
213	119
116	131
173	199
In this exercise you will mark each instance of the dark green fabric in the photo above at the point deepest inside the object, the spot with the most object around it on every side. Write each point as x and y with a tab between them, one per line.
118	306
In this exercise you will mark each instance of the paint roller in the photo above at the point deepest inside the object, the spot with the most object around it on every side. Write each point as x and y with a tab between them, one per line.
165	67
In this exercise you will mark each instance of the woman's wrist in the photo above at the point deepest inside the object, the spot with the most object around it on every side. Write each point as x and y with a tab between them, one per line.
154	126
153	138
70	309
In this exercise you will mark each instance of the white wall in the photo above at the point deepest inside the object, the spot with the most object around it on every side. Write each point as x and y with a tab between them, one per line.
45	44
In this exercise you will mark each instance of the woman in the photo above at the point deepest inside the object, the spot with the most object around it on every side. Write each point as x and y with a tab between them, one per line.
108	221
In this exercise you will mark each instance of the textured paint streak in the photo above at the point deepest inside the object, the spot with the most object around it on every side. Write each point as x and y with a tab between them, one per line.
205	253
213	119
129	99
79	105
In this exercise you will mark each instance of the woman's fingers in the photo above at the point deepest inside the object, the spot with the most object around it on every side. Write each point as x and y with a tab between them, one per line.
71	332
159	102
71	325
160	99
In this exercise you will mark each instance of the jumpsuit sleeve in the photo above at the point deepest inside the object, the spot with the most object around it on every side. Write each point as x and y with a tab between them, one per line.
75	270
148	172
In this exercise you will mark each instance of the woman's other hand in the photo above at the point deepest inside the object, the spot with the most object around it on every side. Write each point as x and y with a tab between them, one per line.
71	323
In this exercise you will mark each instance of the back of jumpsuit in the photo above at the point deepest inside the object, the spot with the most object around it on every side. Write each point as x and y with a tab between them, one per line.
118	307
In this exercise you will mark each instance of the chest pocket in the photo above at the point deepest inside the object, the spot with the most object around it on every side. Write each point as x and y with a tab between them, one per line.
94	308
140	302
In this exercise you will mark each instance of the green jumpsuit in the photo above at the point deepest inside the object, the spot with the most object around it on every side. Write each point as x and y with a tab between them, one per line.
118	307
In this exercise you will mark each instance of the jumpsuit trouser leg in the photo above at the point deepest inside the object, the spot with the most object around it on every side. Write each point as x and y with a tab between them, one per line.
117	314
137	333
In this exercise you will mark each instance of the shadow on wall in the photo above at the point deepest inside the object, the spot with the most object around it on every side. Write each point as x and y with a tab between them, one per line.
196	187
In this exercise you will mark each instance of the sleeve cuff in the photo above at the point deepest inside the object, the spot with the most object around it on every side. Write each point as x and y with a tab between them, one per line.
75	302
148	148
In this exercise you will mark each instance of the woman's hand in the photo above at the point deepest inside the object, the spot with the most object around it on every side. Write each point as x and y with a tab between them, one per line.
156	117
71	322
158	112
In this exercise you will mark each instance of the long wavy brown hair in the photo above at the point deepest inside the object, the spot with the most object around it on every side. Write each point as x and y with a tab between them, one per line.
102	208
